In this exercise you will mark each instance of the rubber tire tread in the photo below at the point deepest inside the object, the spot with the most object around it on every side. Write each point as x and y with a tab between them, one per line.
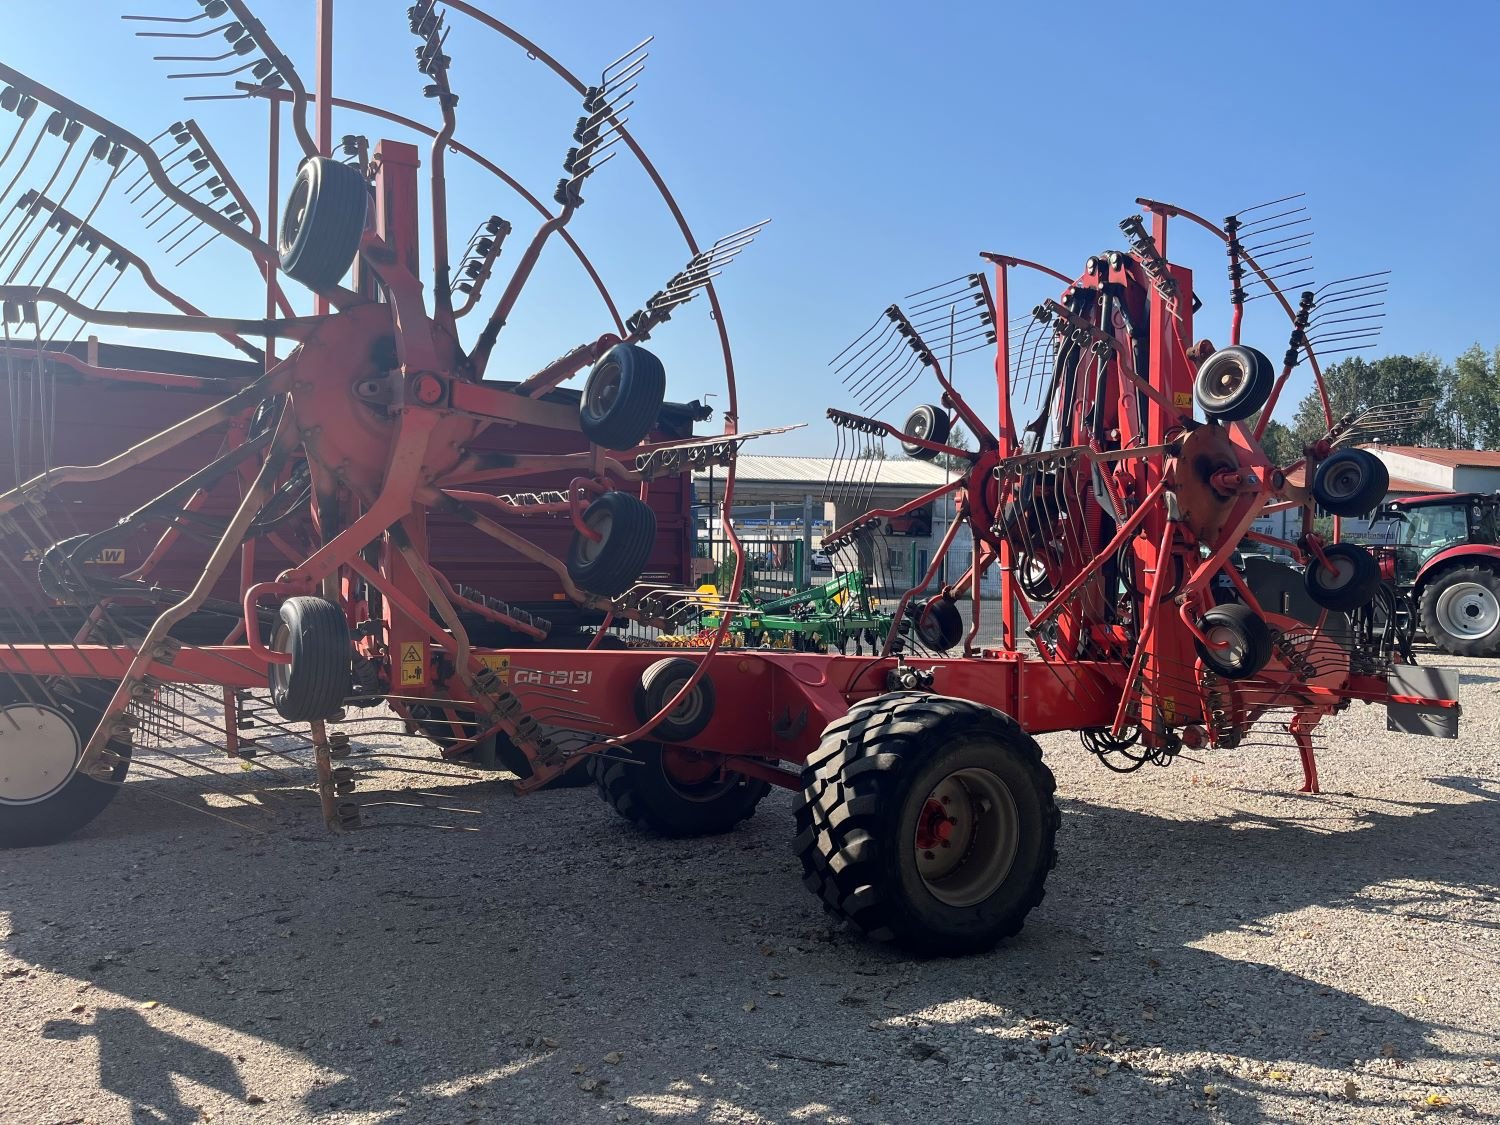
1253	394
1362	586
1257	635
83	798
853	787
940	625
1484	576
634	413
637	789
941	427
319	678
1377	484
652	696
333	223
625	551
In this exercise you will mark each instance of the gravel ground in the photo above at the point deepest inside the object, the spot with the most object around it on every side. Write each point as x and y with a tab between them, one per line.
1213	946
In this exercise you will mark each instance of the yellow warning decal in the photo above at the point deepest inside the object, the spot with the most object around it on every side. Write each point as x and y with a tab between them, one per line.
500	665
413	662
1183	400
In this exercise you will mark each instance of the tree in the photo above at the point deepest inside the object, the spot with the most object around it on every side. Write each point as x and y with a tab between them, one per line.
953	463
1473	406
873	451
1279	444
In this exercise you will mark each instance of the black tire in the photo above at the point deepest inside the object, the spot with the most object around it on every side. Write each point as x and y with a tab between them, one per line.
1351	483
1459	607
323	222
638	785
1234	383
73	709
1247	634
930	423
866	793
319	678
628	529
663	680
940	625
622	397
1031	575
1352	583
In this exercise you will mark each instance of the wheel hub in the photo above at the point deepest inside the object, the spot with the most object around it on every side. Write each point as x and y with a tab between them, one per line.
39	749
967	837
1468	610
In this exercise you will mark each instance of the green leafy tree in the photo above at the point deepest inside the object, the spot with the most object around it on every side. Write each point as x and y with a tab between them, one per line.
1472	409
958	439
1279	444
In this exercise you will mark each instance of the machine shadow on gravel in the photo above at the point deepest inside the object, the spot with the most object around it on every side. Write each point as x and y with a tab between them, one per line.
483	968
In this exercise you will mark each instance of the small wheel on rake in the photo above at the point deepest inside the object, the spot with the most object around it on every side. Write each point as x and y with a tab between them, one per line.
673	791
43	730
323	222
315	633
659	684
626	527
928	822
622	397
1234	383
929	423
1352	581
1240	641
1351	483
940	625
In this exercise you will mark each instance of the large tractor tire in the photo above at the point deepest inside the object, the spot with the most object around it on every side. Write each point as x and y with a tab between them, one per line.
1461	610
43	799
674	792
928	822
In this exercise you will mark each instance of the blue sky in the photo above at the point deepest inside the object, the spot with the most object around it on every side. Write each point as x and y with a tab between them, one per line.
890	143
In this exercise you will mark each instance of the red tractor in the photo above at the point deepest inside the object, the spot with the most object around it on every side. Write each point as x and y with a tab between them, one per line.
1444	556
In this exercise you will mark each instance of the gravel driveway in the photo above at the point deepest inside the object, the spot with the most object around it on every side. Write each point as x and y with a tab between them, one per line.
1213	946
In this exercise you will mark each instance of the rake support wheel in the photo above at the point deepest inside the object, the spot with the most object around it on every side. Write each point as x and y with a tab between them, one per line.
1351	483
610	565
323	222
1234	383
622	397
315	684
42	734
1351	583
928	822
929	423
1244	635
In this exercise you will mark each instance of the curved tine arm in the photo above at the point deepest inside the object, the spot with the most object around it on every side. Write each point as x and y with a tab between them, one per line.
1007	260
1171	209
731	409
147	156
295	328
284	67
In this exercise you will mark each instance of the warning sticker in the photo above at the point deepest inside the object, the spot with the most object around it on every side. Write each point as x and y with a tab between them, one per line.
1183	400
414	662
500	665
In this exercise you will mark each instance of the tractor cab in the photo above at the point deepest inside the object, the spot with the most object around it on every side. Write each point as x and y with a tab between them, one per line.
1419	528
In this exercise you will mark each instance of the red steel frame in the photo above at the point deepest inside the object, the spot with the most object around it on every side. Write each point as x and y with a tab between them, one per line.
376	477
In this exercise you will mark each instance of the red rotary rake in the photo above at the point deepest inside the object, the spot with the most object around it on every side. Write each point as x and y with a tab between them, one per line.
925	814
